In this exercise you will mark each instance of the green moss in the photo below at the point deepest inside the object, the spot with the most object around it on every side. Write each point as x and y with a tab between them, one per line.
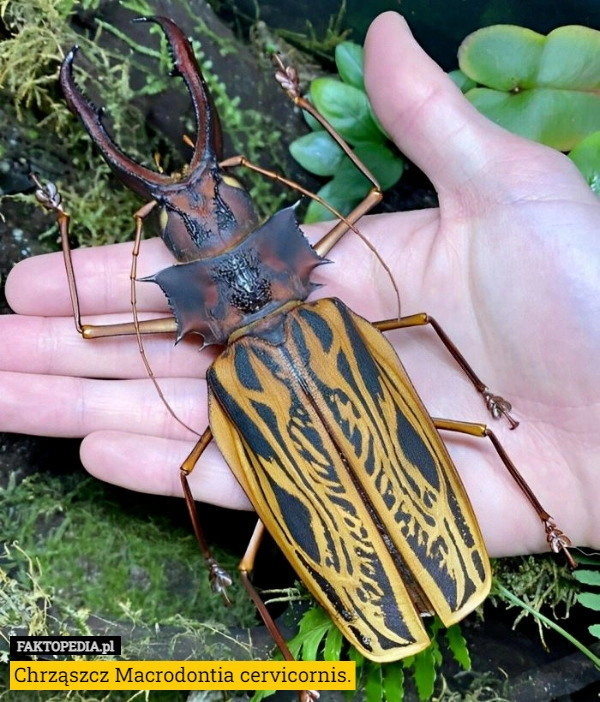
92	555
541	580
29	64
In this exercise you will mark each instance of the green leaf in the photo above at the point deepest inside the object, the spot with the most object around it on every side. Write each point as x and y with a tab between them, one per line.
373	685
587	577
384	163
458	646
314	124
434	627
571	59
349	59
502	57
331	193
347	109
313	627
350	182
393	681
556	118
543	88
318	153
591	600
425	673
586	156
333	645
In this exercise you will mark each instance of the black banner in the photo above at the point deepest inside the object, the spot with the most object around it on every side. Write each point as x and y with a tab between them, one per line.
48	647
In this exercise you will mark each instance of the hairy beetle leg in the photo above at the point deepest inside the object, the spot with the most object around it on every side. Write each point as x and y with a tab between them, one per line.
557	540
220	579
497	405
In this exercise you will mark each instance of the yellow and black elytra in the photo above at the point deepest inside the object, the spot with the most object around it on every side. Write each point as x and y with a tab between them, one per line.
309	403
378	528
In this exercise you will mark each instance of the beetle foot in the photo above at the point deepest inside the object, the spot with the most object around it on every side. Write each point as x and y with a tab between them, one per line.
499	407
220	579
558	541
47	195
287	77
309	695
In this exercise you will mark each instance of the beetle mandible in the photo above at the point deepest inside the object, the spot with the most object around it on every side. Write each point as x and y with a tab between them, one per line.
308	402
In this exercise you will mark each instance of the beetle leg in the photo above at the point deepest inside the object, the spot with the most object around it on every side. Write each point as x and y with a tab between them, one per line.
219	577
47	194
558	541
497	405
245	567
287	77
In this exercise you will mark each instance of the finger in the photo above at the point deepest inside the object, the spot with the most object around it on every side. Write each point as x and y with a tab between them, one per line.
151	465
38	285
426	114
51	346
75	407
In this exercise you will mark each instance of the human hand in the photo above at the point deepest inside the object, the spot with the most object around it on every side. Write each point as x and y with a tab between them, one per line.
509	265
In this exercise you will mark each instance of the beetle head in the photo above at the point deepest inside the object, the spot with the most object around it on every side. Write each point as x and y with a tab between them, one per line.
202	210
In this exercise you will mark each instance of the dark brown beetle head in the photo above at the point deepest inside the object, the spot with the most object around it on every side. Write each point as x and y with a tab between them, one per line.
204	210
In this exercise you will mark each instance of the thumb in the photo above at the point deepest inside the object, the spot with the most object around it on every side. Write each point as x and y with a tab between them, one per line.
424	112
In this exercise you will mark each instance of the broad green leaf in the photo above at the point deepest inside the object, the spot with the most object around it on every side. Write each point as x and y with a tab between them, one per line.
346	108
318	153
544	88
591	600
350	181
588	560
331	194
386	165
349	186
571	59
557	118
502	57
586	156
587	577
349	59
314	124
595	630
458	646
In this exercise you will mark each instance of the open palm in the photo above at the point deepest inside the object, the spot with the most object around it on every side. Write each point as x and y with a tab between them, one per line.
509	265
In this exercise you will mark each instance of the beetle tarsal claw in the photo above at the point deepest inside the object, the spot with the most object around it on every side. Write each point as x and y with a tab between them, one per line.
559	542
499	407
287	77
220	579
47	194
557	539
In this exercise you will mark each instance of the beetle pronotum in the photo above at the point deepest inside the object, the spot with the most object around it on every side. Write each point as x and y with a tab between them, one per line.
308	402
